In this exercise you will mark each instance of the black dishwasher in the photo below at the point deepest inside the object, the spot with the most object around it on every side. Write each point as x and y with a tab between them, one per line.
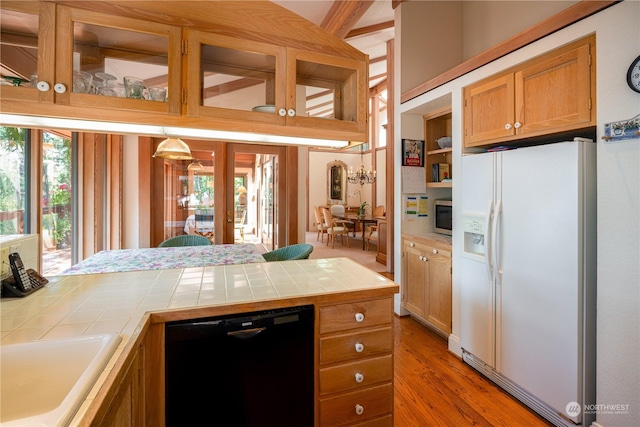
253	369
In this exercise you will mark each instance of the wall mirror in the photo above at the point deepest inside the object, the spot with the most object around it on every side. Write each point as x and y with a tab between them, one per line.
336	182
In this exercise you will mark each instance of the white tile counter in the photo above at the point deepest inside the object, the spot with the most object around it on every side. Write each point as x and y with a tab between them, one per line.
71	306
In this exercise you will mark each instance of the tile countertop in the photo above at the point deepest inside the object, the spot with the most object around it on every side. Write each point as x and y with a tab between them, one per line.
91	304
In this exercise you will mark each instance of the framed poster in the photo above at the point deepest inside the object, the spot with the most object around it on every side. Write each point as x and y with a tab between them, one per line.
412	152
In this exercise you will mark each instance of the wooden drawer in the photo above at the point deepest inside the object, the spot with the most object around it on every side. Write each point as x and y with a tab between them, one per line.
338	348
364	314
342	410
378	422
345	377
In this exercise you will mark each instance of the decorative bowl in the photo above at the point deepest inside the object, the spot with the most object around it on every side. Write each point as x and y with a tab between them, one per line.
444	142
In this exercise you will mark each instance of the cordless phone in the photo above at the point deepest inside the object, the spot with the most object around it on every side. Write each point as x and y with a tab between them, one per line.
19	273
23	281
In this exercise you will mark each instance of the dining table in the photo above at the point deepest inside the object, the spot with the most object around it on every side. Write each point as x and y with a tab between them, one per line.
120	260
362	219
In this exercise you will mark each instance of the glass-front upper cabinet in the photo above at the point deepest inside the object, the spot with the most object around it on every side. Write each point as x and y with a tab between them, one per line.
234	79
119	63
327	92
19	23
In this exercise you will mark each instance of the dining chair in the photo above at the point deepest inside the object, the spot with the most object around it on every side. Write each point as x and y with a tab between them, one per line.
321	226
339	211
239	222
378	211
185	240
291	252
335	227
204	223
372	235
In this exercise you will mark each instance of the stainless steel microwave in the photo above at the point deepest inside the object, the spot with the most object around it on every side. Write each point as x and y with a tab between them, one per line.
443	216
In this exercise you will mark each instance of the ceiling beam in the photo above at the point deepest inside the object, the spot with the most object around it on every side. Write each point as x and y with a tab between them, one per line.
375	28
344	15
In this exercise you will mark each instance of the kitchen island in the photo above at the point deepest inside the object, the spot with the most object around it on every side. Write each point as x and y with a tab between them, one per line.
352	330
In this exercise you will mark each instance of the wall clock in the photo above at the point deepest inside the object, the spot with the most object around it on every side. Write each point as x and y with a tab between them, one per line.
633	75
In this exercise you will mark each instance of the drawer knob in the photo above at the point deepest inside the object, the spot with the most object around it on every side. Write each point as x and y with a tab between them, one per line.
359	317
435	251
359	347
43	86
59	88
359	409
359	377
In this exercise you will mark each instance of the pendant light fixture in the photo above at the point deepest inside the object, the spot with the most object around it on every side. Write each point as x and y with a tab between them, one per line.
195	166
174	149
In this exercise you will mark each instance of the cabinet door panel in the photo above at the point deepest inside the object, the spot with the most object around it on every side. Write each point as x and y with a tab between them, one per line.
488	110
415	281
554	94
439	301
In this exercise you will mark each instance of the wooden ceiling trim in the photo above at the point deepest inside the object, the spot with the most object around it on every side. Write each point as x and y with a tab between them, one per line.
344	15
262	21
363	31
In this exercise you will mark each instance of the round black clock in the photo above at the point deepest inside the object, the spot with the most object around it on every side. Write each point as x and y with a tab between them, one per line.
633	75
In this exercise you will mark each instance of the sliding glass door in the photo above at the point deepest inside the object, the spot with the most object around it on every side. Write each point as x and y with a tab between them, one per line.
56	220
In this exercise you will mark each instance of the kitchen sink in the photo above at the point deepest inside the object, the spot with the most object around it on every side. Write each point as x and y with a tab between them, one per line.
43	383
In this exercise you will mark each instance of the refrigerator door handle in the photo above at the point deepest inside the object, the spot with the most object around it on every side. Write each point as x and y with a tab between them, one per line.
488	260
495	242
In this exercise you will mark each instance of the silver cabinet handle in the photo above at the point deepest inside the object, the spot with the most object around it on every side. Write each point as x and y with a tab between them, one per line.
507	126
291	112
359	409
282	112
435	251
359	317
359	377
517	125
359	347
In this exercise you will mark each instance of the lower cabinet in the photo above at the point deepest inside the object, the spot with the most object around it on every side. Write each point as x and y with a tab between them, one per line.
126	409
426	282
355	376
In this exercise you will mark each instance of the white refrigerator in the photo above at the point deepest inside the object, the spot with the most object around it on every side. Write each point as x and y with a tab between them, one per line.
528	274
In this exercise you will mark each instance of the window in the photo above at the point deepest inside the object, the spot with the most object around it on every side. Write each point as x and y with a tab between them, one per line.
13	180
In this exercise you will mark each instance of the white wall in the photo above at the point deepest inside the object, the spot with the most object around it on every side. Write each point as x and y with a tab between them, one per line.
318	161
618	43
494	20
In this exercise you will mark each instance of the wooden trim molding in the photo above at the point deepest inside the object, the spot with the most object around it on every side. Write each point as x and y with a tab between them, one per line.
556	22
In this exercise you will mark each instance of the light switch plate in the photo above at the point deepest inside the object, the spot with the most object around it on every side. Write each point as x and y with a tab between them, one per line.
4	258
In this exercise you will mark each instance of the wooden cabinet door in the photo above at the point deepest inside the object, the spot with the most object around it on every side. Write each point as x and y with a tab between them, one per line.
99	45
489	111
327	93
554	94
415	281
127	407
438	305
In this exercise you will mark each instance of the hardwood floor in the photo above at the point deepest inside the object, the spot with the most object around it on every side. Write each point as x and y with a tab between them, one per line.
433	387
